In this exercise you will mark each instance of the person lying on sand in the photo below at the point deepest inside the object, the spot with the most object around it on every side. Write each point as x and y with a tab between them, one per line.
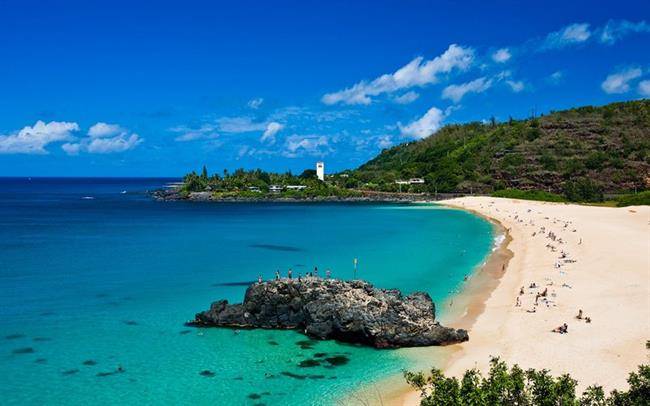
563	329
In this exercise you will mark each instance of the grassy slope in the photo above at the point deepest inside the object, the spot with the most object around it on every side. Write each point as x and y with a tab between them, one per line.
610	145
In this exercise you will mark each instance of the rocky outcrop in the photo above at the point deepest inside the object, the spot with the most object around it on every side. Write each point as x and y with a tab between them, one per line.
351	311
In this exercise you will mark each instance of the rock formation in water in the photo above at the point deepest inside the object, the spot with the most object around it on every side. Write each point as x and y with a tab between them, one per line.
351	311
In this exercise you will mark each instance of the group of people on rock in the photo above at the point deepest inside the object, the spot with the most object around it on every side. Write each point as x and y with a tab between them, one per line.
314	274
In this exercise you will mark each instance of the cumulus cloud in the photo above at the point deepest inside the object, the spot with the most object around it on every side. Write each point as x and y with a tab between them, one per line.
418	72
103	138
615	30
313	145
272	128
569	35
644	88
618	82
255	103
119	143
501	55
104	130
406	98
456	92
34	139
426	125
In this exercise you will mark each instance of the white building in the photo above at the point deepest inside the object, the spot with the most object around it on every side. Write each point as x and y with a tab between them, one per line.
416	181
296	187
275	188
320	170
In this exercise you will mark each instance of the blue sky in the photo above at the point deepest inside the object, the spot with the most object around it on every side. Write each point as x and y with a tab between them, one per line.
138	90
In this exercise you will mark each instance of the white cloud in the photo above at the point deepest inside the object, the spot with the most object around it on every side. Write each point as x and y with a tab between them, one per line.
569	35
271	129
426	125
456	92
239	124
615	30
255	103
71	148
418	72
299	145
406	98
104	139
104	130
644	88
205	132
619	82
119	143
33	140
384	141
501	55
556	77
516	85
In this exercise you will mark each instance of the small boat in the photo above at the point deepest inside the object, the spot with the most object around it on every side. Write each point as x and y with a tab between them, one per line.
123	192
88	198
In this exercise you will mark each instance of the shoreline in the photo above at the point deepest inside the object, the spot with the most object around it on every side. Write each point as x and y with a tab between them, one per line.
467	305
607	277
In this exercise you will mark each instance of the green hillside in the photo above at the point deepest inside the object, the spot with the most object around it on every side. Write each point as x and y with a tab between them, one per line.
579	153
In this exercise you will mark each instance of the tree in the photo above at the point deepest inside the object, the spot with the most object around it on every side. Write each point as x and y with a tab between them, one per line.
513	386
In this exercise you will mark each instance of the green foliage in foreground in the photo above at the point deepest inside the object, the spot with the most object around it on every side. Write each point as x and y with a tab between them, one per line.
637	199
529	195
515	386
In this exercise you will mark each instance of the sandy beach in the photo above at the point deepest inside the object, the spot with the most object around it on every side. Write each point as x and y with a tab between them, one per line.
566	258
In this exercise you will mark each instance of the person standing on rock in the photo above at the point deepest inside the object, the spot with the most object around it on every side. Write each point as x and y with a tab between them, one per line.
315	272
259	278
289	273
328	274
277	275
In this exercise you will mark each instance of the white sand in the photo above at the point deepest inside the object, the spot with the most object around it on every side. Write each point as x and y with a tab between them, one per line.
609	281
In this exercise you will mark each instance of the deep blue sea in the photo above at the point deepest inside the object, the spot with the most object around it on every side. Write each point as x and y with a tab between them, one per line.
97	279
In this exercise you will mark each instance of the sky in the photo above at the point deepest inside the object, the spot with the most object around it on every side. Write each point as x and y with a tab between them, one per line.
129	88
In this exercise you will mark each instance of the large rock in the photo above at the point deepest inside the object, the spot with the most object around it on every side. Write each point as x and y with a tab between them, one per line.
352	311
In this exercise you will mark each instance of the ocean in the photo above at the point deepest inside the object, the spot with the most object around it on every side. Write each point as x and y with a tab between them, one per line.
97	280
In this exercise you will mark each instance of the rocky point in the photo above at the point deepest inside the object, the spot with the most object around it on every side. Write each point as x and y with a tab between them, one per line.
351	311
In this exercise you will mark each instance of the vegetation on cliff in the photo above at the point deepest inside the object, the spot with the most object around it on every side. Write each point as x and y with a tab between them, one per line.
580	154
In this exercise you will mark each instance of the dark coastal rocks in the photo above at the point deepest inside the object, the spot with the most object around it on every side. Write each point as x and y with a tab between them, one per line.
350	311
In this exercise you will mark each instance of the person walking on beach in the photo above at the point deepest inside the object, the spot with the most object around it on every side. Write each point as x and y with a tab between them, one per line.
289	273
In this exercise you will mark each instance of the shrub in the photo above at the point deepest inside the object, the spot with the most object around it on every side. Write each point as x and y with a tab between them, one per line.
513	386
637	199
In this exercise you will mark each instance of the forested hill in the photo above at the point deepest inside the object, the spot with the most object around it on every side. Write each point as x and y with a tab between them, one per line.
602	148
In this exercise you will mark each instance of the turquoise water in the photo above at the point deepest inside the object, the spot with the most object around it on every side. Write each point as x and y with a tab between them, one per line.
90	286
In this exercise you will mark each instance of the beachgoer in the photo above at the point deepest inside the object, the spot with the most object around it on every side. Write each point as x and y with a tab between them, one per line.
521	291
259	278
518	302
289	274
328	274
277	275
316	271
588	319
579	316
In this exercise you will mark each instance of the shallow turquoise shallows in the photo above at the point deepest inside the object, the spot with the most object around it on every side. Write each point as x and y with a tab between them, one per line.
95	286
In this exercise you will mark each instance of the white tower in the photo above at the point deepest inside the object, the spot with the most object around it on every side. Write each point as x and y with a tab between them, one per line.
320	170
